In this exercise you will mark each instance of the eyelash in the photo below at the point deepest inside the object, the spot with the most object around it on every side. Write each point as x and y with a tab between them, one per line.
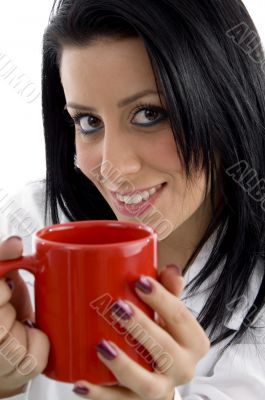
148	106
139	107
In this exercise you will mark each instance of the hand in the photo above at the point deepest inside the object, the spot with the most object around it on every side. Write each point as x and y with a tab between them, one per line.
18	341
175	330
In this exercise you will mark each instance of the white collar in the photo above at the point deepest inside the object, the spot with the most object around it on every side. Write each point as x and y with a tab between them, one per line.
197	301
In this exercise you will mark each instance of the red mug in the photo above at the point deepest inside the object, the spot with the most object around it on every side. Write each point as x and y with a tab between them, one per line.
81	269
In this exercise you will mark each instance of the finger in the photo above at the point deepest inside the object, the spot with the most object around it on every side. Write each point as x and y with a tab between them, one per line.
171	278
12	349
101	392
167	356
5	292
11	248
180	322
130	374
160	345
18	297
7	319
21	299
38	352
33	363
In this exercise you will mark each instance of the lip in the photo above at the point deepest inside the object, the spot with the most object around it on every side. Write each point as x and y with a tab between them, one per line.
131	210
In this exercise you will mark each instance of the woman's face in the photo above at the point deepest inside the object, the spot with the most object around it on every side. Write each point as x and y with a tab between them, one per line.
122	133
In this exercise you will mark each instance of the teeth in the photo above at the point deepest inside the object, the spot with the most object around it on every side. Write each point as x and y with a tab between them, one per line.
145	195
136	199
139	197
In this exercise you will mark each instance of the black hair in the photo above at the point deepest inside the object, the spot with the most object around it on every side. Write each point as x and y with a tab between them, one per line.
215	96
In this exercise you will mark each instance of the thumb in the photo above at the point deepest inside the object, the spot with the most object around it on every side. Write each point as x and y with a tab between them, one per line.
171	278
11	249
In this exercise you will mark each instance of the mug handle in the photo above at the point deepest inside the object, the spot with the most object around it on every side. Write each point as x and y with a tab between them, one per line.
29	263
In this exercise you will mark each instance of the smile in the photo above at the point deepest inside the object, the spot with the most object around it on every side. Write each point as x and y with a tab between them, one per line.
137	202
138	196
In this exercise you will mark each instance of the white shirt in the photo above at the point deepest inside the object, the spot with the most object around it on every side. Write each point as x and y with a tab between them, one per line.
239	374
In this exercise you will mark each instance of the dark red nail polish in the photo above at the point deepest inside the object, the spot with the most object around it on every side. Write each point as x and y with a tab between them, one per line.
144	285
176	269
29	323
80	389
122	309
106	350
10	283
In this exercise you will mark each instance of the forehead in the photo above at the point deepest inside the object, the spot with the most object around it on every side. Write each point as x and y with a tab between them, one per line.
107	65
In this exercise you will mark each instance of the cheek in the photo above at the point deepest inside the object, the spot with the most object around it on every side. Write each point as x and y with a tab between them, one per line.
88	159
158	151
161	152
192	197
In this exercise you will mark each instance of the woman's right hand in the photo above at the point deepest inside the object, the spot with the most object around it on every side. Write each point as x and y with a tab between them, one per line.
18	341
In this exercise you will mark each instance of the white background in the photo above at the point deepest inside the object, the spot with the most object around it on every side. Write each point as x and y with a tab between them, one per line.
22	23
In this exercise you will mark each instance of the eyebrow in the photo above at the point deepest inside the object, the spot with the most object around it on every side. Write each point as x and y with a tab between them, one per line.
122	103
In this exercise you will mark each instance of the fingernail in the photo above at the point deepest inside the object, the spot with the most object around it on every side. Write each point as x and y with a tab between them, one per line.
29	323
122	309
175	268
144	285
106	350
10	238
80	389
10	283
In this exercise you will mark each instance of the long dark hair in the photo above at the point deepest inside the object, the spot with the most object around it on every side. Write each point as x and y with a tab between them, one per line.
215	98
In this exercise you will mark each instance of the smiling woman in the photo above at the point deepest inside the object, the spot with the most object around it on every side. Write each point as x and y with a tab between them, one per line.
128	127
154	111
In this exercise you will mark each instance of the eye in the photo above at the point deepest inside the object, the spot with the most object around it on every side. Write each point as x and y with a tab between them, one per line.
86	122
145	116
152	114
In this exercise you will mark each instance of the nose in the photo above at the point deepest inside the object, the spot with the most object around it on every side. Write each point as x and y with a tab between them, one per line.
120	159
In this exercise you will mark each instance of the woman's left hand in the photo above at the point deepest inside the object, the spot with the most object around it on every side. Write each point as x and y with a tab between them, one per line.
176	331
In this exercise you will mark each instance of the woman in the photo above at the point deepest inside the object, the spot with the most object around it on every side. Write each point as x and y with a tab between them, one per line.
155	111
